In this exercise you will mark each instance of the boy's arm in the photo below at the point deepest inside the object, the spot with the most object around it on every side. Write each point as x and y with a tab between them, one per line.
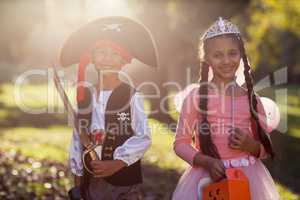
75	152
134	148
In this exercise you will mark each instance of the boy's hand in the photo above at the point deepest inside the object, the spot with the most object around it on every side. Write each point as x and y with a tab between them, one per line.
104	168
242	141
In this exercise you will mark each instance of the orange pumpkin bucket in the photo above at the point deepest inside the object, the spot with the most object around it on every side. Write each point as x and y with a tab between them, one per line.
234	187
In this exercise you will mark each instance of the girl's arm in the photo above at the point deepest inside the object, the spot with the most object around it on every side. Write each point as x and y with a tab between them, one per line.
248	143
134	148
183	140
185	128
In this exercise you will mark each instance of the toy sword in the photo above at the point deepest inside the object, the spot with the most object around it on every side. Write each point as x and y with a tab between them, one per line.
84	138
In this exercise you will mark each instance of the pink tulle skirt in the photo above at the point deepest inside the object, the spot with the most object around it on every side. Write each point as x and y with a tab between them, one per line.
262	186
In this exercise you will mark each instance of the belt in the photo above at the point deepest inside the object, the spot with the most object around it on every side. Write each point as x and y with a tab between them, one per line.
239	162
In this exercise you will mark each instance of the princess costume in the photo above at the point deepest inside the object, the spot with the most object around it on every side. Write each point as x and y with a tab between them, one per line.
220	116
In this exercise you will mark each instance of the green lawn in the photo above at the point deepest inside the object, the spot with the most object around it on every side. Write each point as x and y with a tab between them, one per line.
40	143
52	141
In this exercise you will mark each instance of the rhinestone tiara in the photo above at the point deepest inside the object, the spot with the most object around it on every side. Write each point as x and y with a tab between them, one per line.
220	27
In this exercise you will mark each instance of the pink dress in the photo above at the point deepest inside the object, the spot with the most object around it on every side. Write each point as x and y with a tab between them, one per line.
262	186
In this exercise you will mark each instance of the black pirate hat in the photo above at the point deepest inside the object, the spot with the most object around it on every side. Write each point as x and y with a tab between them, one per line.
129	34
129	37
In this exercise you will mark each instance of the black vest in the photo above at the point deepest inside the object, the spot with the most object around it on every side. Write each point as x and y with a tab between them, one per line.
118	129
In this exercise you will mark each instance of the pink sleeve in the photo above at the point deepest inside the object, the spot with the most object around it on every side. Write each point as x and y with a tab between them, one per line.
185	128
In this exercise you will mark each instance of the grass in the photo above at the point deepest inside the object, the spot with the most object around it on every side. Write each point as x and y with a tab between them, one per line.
52	142
161	152
295	132
285	194
33	96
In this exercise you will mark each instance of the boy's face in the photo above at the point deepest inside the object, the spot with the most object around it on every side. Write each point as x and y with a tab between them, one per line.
107	58
223	55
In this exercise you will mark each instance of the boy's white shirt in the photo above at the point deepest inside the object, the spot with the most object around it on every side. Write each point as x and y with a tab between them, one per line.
132	150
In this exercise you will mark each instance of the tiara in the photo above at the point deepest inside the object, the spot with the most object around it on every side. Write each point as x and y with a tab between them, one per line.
220	27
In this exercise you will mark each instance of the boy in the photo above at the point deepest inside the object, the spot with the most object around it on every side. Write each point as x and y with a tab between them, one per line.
114	108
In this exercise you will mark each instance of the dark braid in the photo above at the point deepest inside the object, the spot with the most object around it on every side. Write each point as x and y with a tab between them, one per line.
262	136
206	144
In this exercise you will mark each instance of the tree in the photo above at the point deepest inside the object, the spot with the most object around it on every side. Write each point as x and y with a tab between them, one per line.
273	34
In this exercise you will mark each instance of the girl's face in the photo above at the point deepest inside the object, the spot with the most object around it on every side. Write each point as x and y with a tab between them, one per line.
223	55
107	58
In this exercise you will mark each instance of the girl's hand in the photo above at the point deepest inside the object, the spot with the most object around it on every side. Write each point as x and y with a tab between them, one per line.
104	168
214	166
216	169
242	141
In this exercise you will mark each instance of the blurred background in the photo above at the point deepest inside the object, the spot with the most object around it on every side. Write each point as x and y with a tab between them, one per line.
34	146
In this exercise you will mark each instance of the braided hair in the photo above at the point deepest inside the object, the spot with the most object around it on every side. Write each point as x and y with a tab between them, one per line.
206	144
262	136
204	133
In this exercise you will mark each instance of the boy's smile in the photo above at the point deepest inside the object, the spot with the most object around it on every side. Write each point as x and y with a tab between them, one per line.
107	58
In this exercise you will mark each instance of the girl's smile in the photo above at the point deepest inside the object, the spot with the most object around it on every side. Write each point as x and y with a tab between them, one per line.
223	56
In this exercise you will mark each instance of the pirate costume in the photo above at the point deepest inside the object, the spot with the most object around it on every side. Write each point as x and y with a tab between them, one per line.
134	145
114	117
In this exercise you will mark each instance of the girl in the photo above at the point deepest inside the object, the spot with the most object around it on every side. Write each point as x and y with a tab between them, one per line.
223	139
